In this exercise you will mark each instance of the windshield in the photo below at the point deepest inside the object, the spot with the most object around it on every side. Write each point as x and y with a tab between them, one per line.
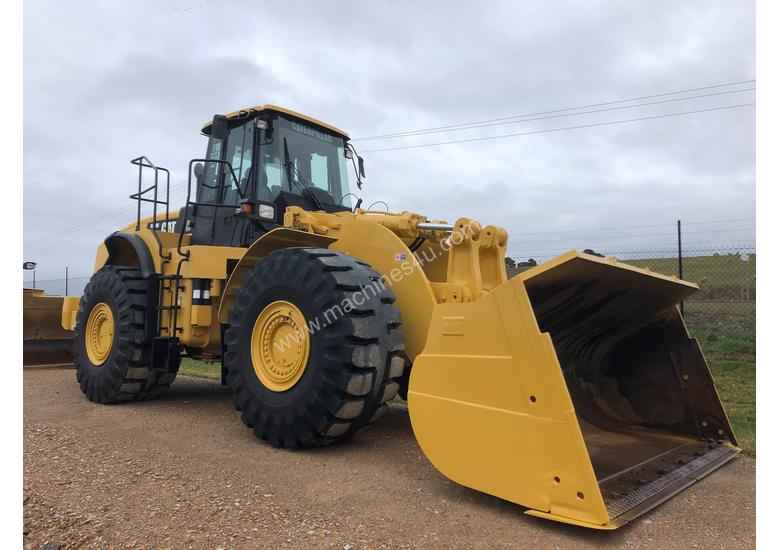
317	157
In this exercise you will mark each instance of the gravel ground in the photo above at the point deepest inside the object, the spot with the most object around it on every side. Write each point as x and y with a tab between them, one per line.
183	472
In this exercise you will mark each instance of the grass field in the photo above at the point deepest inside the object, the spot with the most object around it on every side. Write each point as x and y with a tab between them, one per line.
726	331
719	277
199	369
736	385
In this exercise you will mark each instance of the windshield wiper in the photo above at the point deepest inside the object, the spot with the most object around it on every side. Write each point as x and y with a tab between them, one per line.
300	181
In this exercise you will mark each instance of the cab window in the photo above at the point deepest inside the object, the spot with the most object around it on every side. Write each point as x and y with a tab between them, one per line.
209	183
235	149
238	153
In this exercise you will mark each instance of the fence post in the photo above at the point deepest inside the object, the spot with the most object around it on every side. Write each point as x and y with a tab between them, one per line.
66	280
679	261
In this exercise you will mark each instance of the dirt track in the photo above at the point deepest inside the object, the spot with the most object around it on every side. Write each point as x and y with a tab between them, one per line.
183	471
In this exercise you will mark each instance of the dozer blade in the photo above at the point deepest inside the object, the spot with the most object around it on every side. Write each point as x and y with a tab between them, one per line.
45	342
574	390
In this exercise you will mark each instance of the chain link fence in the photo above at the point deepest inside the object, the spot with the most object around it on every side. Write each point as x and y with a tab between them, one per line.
722	315
72	286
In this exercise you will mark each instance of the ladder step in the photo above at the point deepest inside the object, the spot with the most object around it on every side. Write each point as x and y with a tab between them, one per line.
168	308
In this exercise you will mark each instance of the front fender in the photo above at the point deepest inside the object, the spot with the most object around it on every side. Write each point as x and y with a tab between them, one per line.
281	237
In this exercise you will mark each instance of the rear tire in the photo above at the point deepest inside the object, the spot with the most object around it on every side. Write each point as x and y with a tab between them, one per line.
125	373
353	359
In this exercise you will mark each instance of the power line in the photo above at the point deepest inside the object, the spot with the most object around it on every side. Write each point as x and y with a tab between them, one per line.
550	130
77	227
72	238
75	237
116	213
719	221
55	243
661	246
634	236
490	125
621	227
652	248
100	219
557	110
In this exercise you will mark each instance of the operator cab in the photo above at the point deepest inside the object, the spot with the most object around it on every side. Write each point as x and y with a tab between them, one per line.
258	162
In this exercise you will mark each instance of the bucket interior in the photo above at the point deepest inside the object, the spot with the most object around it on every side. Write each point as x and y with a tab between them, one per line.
45	342
647	408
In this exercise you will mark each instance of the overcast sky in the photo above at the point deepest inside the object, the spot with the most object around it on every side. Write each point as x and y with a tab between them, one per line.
107	81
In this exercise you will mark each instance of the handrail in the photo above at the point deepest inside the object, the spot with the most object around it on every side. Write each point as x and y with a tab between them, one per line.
144	162
186	253
154	225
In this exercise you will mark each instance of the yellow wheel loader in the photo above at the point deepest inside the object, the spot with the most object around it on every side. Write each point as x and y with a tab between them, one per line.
572	389
46	343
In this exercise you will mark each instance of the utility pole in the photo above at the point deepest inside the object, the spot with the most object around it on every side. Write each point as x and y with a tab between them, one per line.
679	261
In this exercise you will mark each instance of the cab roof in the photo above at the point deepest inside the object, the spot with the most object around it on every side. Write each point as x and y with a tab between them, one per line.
207	127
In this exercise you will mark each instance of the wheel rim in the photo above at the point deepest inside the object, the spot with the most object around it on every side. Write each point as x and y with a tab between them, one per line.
99	334
280	346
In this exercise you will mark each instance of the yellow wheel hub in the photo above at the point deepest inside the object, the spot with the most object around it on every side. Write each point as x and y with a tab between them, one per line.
280	346
99	333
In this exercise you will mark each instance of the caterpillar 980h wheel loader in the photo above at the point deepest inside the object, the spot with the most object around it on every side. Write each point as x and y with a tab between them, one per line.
572	389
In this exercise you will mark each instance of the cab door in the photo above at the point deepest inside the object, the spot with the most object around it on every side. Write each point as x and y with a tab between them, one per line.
218	225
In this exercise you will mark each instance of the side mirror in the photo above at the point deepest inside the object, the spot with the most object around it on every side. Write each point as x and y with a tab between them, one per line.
198	169
219	127
361	169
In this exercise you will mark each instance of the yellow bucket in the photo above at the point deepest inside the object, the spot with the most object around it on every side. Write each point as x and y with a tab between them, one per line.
574	389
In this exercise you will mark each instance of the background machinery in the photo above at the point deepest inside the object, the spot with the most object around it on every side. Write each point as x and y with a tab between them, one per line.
572	389
46	342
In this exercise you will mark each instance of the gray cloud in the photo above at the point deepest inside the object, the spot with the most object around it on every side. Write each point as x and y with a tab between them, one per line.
107	81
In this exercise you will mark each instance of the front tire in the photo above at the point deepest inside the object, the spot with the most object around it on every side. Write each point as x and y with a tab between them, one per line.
112	351
340	365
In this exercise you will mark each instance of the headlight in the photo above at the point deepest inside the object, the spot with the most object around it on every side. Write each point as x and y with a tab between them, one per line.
266	211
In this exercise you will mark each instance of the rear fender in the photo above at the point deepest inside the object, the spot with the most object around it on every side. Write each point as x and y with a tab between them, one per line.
128	249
